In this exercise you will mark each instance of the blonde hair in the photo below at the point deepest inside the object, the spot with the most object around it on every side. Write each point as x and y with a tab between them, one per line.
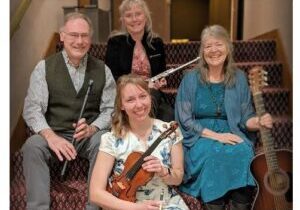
126	5
229	68
120	122
78	15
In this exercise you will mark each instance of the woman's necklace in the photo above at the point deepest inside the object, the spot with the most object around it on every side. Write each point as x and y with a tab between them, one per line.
214	99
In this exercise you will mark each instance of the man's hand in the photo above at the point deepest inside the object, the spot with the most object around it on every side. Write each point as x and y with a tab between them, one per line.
83	130
60	146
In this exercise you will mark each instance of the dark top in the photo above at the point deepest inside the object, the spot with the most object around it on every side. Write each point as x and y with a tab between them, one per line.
120	52
65	103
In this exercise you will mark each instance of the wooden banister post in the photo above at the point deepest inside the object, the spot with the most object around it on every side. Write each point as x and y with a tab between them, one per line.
18	16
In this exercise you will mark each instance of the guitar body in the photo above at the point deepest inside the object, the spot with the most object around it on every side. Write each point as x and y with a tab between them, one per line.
267	197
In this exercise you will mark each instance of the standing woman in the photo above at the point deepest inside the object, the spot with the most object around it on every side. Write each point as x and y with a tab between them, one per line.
136	49
215	113
134	130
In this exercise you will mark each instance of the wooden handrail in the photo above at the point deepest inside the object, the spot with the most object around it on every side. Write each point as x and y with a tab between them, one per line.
51	49
19	133
281	56
18	16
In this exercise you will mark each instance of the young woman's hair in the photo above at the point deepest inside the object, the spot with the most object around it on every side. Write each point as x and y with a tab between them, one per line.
126	5
218	32
120	122
77	15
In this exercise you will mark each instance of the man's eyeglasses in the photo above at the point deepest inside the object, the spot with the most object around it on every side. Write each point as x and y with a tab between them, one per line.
74	35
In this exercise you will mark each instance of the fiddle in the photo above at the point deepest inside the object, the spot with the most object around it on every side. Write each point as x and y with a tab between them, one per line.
125	185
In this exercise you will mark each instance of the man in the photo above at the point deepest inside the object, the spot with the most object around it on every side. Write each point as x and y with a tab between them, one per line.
55	96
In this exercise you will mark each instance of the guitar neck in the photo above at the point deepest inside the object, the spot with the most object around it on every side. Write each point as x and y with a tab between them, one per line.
266	135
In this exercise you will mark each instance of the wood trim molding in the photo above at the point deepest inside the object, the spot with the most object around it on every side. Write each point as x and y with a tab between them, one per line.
281	56
18	16
51	49
233	19
18	136
19	133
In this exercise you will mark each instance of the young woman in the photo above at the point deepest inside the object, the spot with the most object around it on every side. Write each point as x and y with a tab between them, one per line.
133	129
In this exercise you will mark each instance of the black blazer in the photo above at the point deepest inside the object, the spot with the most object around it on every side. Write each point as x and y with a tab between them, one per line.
119	55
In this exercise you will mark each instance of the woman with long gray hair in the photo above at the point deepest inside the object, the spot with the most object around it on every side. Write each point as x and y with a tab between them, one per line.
215	114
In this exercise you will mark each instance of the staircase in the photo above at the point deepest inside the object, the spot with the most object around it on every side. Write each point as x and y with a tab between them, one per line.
72	193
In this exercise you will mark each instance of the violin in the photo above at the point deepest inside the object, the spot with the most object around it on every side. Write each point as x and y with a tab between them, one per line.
125	185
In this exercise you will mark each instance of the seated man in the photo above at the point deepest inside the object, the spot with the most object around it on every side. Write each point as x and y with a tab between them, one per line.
58	86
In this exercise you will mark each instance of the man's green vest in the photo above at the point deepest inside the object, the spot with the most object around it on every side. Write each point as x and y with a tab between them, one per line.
64	102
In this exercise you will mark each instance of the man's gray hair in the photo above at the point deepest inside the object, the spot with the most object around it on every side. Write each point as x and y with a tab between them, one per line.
78	15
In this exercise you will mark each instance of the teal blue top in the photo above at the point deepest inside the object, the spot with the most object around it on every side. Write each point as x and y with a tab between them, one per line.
211	167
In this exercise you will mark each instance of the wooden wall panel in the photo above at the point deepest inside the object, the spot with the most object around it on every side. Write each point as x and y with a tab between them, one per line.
220	13
188	18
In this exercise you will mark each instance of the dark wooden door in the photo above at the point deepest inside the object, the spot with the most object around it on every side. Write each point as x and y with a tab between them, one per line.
188	18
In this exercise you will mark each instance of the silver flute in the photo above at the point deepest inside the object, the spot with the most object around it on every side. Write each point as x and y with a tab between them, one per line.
172	70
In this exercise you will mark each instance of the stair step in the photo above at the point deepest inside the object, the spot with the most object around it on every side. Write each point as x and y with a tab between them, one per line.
254	50
276	99
244	51
274	70
72	194
282	133
68	195
76	169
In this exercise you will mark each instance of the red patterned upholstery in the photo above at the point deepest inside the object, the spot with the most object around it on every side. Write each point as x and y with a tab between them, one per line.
69	194
190	201
282	133
249	51
72	193
273	69
254	50
276	100
181	52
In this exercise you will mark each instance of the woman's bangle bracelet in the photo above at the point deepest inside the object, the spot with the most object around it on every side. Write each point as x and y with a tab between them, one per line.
168	173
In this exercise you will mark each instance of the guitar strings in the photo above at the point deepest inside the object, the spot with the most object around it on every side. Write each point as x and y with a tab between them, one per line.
279	200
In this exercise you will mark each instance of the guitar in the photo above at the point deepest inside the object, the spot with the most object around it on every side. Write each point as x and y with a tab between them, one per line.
125	185
272	169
